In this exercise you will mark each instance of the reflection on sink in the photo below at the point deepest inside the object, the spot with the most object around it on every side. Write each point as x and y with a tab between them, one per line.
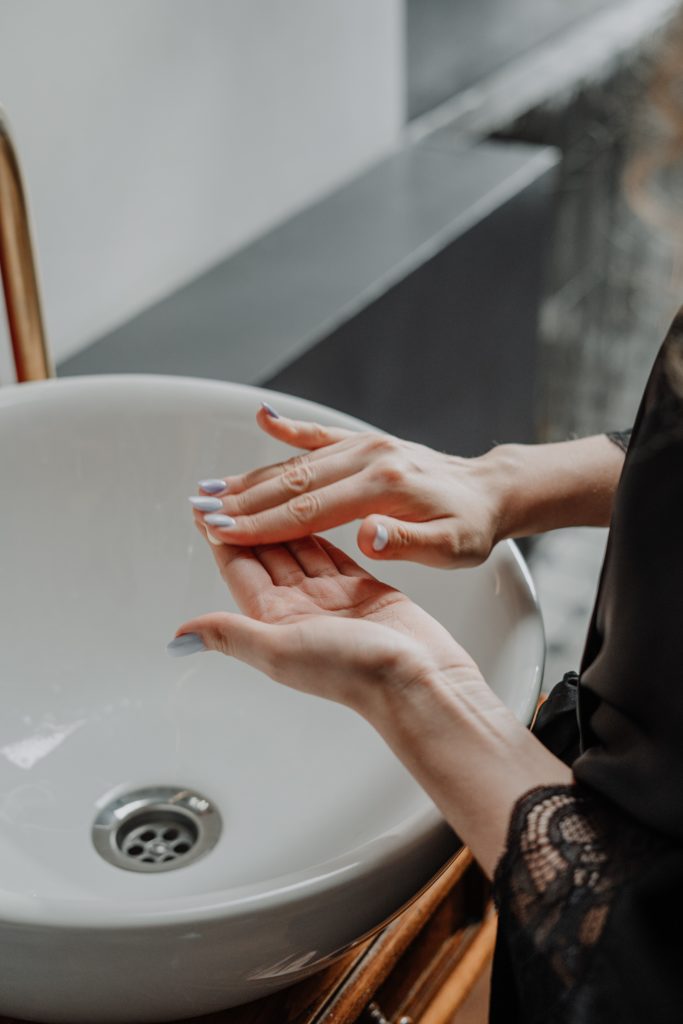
324	834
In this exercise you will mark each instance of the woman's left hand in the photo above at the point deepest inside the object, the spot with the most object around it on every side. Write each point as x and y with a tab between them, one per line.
316	621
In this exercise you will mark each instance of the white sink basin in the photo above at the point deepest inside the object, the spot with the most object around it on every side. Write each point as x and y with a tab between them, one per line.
324	834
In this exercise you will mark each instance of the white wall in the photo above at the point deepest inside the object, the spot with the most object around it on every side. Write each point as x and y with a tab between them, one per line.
158	136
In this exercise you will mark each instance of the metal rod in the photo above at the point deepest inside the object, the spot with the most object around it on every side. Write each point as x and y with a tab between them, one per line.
17	264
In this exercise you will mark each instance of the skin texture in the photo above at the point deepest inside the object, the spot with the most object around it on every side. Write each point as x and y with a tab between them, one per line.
314	620
437	509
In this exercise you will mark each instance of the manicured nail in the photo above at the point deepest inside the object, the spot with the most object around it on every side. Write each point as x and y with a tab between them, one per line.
381	538
205	504
216	519
269	409
188	643
213	540
213	486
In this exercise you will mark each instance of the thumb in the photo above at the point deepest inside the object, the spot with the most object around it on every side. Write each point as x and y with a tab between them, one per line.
235	635
431	543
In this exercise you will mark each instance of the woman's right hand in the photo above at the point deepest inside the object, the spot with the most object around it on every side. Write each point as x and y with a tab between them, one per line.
415	503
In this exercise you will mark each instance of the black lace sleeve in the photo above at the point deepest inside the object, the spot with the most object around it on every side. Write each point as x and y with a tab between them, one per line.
621	438
570	856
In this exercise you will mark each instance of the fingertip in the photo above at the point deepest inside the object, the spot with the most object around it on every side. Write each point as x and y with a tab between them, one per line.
270	411
185	644
380	538
213	540
373	537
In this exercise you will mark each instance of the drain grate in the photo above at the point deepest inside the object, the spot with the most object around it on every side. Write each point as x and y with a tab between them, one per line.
156	829
157	837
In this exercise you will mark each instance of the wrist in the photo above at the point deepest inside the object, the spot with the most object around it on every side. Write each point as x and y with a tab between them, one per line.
506	470
417	699
541	487
470	753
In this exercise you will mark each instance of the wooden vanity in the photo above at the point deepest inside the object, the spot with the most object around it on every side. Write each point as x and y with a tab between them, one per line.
417	970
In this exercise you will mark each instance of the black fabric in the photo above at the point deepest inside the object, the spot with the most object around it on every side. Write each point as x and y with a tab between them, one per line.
556	724
620	725
621	438
630	698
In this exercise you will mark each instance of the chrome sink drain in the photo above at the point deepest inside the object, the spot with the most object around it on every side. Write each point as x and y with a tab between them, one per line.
156	829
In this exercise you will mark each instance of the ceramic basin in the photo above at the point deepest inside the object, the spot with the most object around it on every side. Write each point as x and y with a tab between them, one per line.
323	834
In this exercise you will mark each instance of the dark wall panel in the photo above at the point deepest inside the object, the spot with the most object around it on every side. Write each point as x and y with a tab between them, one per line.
448	357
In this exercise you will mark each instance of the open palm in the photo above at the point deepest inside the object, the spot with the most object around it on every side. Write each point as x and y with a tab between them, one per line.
315	620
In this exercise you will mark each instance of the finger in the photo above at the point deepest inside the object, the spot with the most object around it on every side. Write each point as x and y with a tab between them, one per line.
212	486
312	557
280	564
236	635
242	481
297	477
431	543
247	578
299	433
343	562
311	512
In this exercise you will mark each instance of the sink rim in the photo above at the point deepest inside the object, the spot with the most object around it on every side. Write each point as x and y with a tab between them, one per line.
233	902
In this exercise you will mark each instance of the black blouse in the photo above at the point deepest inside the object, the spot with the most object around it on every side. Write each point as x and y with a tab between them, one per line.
590	887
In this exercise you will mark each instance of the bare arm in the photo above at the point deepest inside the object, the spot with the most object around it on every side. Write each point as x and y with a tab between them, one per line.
547	486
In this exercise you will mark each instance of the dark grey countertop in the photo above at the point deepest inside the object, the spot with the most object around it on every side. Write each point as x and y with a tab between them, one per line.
254	313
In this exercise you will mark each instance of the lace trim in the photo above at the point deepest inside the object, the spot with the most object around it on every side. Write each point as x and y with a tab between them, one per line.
568	853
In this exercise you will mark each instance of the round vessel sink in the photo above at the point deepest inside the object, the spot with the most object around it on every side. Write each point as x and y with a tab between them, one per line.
182	835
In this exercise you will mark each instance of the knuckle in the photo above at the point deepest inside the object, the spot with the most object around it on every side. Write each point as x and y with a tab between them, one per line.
383	444
298	477
239	502
401	537
389	472
304	508
462	545
317	434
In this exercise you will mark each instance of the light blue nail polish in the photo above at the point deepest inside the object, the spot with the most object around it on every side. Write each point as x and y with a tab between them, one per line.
205	504
381	538
183	646
213	486
216	519
269	409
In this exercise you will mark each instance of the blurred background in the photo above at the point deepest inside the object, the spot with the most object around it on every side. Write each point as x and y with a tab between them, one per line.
457	219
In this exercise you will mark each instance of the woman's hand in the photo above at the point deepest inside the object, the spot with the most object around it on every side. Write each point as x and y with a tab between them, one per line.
415	503
318	622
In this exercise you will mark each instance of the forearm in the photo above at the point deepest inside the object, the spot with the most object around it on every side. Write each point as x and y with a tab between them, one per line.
469	752
548	486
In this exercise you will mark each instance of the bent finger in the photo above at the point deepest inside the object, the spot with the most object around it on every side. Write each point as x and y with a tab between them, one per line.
299	433
432	543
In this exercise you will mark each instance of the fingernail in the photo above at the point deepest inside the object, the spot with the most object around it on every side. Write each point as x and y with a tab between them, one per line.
188	643
213	486
381	538
205	504
213	540
216	519
269	409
